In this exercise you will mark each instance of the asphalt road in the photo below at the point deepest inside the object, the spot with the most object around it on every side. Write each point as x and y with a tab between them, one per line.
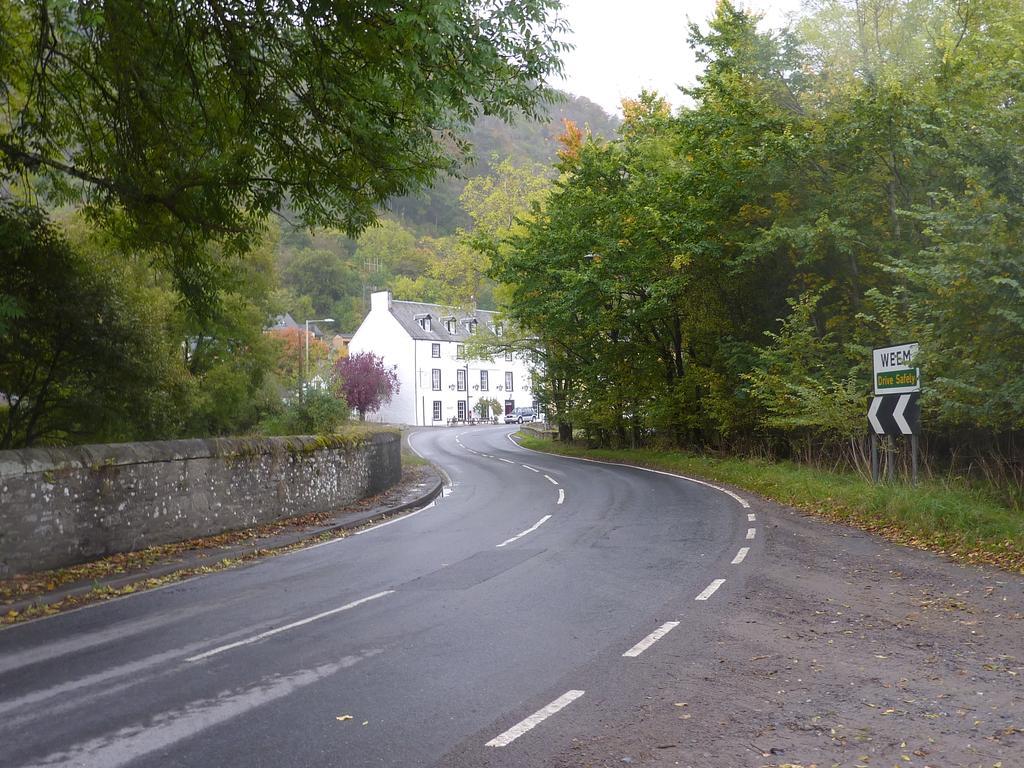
486	629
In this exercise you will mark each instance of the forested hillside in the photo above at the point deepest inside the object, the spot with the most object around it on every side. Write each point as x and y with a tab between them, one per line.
421	248
717	278
438	210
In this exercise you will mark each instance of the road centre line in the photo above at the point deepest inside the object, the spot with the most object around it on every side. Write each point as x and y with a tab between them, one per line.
553	481
531	529
651	639
710	589
286	627
751	533
538	717
561	495
743	502
507	461
740	555
527	466
751	517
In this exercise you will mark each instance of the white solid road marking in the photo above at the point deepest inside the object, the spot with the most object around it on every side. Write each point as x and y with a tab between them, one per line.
651	639
751	532
286	627
711	589
507	461
743	502
389	522
561	495
531	529
740	555
549	477
527	466
751	518
534	720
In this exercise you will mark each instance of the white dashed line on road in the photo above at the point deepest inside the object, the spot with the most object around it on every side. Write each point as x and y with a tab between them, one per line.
553	481
527	466
651	639
286	627
710	589
740	555
531	529
534	720
561	495
507	461
751	533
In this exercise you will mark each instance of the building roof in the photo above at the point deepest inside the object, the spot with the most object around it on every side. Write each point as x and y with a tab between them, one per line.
408	314
284	321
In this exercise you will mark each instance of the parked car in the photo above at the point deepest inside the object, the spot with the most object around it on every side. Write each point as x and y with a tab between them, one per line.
519	415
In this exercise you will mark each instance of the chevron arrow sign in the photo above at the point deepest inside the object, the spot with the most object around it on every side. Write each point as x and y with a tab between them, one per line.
895	414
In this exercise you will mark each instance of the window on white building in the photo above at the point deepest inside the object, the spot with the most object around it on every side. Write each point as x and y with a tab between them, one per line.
435	379
449	325
508	381
460	351
424	322
483	381
435	350
508	357
437	410
460	379
462	410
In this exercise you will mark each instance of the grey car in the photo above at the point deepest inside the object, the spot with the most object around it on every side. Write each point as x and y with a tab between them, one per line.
519	415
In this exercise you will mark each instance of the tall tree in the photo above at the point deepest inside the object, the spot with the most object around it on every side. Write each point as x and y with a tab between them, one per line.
87	357
178	124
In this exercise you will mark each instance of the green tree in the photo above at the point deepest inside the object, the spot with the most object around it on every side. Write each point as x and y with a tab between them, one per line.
324	278
87	357
178	126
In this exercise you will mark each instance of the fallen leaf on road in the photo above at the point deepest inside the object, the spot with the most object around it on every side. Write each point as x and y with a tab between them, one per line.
343	717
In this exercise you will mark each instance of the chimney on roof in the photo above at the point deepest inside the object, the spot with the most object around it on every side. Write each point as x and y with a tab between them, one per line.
380	300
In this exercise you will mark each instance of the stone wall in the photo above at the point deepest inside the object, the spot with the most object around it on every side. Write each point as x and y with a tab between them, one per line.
68	505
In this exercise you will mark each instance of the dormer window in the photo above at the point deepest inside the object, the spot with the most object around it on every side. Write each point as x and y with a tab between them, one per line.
497	329
423	321
449	325
471	326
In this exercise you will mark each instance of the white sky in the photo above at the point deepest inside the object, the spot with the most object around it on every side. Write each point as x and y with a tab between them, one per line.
623	46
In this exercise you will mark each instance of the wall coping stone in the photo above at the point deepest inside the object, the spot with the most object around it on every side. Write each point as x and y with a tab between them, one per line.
22	461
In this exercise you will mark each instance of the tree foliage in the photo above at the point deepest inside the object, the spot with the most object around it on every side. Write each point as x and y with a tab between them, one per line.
84	356
365	382
180	125
717	277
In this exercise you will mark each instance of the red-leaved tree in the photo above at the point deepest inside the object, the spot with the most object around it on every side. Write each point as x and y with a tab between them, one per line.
365	382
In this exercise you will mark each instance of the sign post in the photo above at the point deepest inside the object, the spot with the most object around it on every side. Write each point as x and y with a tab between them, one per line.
894	409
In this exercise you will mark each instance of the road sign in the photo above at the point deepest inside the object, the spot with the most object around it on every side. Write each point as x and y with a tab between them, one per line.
894	371
895	414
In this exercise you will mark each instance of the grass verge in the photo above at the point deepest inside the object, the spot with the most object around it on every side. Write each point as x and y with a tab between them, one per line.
964	524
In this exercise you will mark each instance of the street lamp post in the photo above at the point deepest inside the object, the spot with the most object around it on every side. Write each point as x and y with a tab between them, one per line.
305	367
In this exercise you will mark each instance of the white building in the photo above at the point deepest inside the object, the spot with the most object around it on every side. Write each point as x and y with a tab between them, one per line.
425	344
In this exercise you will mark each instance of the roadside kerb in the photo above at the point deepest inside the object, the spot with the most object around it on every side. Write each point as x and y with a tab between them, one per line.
212	555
